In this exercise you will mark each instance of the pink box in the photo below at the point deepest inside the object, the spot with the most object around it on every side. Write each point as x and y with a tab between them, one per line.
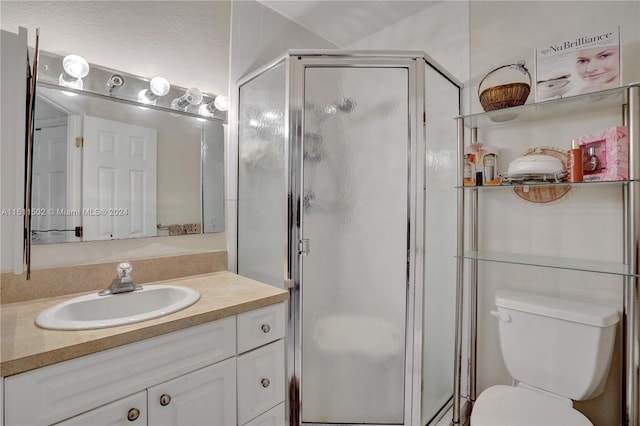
611	149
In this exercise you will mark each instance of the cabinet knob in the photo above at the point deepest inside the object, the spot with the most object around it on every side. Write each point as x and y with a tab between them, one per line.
165	399
133	414
265	382
265	328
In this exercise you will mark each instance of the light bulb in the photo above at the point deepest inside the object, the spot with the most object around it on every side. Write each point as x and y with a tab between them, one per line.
68	81
158	86
221	103
192	96
205	109
75	67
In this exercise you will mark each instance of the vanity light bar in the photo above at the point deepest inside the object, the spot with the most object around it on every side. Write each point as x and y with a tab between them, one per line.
156	93
158	87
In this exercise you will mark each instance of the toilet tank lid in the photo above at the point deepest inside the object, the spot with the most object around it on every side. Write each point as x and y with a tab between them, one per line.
564	309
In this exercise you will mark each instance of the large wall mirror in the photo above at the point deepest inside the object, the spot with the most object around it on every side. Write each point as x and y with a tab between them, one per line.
107	166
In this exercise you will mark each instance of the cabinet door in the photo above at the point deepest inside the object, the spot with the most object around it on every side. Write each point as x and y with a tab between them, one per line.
131	410
273	417
202	397
260	380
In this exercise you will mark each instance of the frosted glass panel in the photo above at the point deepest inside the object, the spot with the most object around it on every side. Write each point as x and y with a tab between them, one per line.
212	177
262	206
440	244
353	289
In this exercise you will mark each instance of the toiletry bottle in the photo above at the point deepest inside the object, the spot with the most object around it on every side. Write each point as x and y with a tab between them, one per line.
467	170
489	167
574	162
592	165
472	169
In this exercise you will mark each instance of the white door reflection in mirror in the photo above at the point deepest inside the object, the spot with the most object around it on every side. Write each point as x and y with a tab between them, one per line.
119	166
49	183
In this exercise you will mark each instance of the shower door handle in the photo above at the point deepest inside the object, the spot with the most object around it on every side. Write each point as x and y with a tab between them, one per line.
303	247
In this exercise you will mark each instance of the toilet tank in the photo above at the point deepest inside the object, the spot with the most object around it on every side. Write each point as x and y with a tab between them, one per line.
558	345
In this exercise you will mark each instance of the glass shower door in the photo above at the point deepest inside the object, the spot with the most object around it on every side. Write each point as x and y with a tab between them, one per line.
262	178
354	275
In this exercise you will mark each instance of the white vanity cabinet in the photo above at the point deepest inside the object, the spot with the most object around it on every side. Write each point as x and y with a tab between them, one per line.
193	376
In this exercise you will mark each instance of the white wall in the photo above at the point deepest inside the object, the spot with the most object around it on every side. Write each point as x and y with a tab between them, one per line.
526	25
442	31
185	41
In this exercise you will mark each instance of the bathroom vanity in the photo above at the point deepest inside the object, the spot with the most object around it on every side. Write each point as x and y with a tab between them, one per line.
220	361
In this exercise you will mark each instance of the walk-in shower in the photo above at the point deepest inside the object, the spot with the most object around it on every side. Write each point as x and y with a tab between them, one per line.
346	176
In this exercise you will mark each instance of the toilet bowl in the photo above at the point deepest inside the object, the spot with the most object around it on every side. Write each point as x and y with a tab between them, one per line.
557	350
503	405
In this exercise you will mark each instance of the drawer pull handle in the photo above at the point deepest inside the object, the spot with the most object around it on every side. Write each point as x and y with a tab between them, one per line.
265	382
133	414
265	328
165	400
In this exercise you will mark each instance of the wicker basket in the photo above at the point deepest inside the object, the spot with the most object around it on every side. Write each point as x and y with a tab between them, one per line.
505	95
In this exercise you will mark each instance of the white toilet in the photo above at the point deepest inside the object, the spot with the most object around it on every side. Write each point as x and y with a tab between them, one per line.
556	350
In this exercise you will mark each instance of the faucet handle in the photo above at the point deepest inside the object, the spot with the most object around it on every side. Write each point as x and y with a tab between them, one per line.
124	269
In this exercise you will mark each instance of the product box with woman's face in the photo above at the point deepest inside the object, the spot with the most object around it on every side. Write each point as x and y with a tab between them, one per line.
575	65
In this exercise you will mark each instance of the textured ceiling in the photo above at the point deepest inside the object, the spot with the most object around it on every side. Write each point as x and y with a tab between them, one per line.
346	22
185	41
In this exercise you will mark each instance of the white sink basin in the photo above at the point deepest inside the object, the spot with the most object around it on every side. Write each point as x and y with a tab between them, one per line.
93	311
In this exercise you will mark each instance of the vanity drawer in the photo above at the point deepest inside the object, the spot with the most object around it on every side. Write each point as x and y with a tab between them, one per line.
131	410
261	326
261	380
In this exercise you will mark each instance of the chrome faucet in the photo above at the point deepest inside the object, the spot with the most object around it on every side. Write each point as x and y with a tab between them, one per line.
124	282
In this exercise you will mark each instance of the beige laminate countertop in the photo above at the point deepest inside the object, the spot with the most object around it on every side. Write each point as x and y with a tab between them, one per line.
25	346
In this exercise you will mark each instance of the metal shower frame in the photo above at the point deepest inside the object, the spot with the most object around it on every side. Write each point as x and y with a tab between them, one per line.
416	62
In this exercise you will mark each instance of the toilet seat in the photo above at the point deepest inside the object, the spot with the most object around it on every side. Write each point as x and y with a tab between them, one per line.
516	406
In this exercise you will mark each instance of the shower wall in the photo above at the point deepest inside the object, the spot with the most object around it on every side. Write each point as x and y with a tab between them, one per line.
344	190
